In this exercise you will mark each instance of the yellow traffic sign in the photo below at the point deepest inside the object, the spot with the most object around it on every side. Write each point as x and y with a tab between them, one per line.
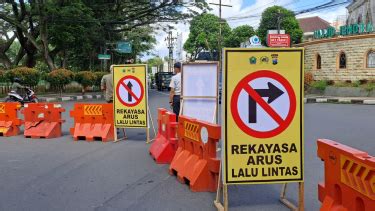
263	119
130	96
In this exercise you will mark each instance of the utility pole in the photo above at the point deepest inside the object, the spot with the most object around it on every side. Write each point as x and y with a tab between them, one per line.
170	45
220	36
278	21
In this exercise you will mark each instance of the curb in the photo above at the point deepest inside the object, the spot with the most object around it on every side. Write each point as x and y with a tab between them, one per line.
339	101
70	98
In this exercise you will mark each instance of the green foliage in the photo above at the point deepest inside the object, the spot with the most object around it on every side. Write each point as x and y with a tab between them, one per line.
60	77
320	85
13	50
204	34
3	78
85	78
154	62
356	83
289	23
72	33
239	35
28	76
98	77
370	87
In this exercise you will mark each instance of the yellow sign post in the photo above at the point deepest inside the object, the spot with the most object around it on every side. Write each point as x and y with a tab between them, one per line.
130	96
263	117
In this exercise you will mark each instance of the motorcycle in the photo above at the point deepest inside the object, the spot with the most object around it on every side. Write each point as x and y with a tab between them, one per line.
29	97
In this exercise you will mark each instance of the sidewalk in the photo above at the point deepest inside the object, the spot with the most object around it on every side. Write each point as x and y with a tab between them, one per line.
344	100
67	97
70	97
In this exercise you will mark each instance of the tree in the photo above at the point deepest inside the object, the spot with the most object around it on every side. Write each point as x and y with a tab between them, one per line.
155	62
204	34
288	22
239	35
73	32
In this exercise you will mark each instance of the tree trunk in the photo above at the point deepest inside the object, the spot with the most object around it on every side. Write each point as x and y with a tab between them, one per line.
44	35
5	61
64	60
30	60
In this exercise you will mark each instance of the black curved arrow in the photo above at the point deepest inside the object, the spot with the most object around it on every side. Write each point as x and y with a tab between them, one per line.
130	85
272	93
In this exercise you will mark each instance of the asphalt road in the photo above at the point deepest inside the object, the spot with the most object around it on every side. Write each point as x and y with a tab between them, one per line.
60	174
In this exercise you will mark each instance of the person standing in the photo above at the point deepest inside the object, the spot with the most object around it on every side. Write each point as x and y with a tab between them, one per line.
107	86
175	85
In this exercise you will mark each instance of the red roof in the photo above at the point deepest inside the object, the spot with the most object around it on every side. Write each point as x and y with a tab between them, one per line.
311	24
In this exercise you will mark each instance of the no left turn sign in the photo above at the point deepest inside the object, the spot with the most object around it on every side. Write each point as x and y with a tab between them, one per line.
263	104
129	91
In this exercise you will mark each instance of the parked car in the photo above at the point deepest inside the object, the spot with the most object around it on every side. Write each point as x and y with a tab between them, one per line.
162	80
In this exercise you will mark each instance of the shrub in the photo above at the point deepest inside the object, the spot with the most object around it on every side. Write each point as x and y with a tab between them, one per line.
363	81
28	76
348	81
85	78
308	78
99	76
59	78
356	83
370	87
3	78
330	82
320	85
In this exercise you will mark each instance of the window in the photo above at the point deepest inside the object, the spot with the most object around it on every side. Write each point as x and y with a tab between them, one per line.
371	59
318	62
359	19
342	61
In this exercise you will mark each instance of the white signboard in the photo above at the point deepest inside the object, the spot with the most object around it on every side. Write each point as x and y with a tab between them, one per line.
200	91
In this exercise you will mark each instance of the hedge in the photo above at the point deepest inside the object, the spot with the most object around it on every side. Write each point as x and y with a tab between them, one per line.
85	78
99	76
60	77
28	76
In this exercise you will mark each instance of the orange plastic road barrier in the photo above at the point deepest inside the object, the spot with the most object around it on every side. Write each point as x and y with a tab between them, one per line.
165	145
195	161
42	120
349	178
9	122
93	122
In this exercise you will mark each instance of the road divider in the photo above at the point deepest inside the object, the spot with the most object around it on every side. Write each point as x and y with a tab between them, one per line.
9	121
93	122
42	120
164	147
349	178
195	161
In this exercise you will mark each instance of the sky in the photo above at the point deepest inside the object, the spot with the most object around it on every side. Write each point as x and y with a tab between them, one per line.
243	8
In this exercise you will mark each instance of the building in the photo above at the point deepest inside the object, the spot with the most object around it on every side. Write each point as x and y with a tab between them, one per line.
311	24
346	53
341	58
361	11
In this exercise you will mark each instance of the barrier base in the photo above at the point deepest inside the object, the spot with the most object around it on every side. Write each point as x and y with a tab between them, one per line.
195	172
93	132
177	163
162	151
9	131
42	130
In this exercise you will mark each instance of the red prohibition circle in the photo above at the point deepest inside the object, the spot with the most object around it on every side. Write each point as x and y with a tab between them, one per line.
118	90
245	82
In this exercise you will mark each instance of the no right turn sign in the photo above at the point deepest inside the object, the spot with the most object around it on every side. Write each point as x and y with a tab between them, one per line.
263	121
